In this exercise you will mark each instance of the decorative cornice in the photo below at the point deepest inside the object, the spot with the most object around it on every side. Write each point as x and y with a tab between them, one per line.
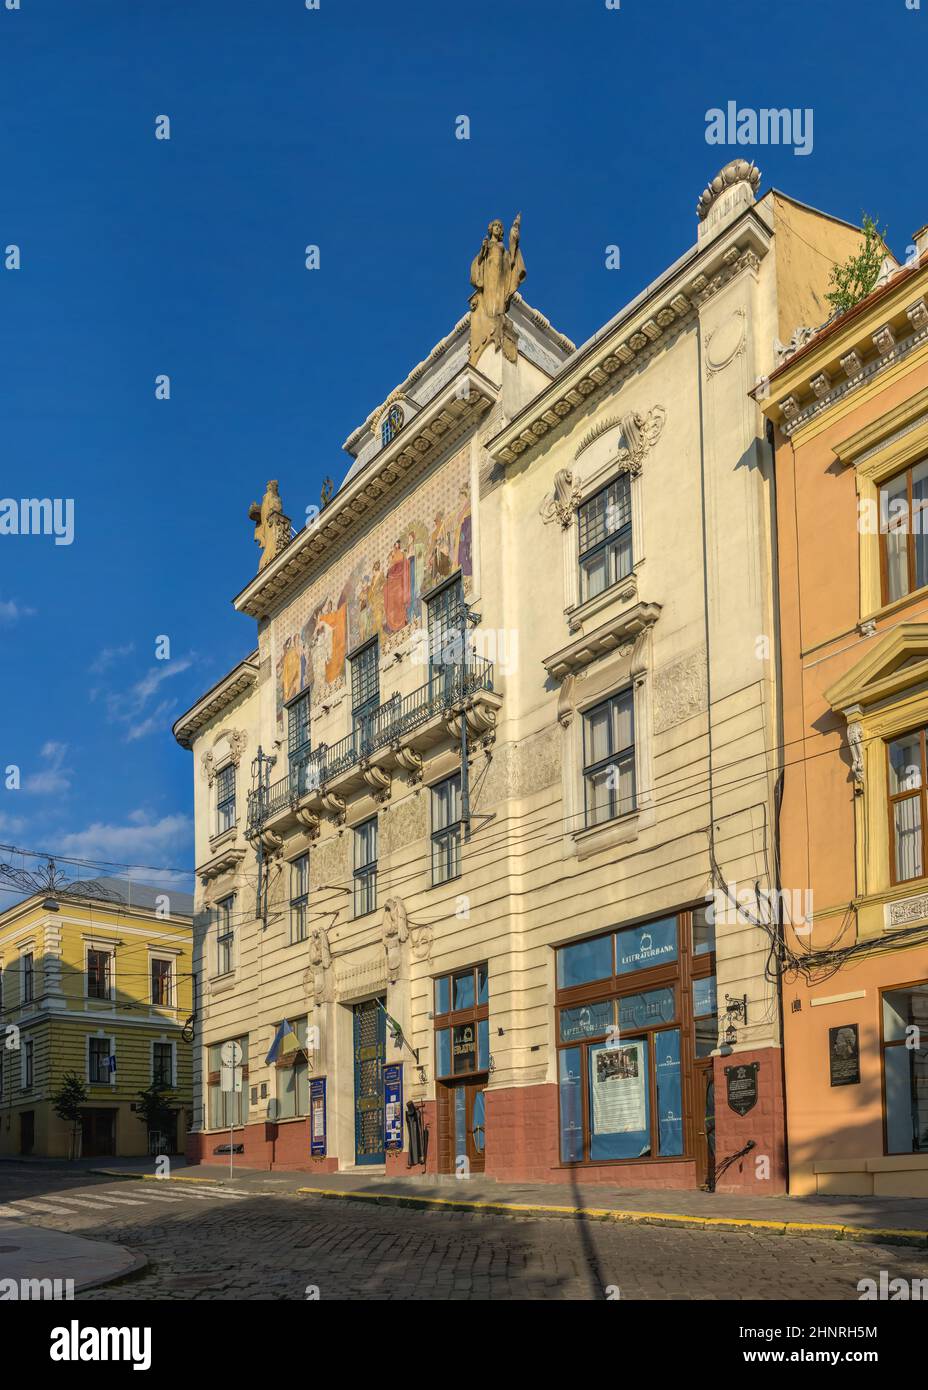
239	680
227	861
623	629
422	440
632	340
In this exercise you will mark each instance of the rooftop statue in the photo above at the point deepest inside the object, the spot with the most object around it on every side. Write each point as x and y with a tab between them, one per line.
272	528
496	273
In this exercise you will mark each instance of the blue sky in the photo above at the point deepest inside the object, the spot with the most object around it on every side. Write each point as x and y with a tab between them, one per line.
333	127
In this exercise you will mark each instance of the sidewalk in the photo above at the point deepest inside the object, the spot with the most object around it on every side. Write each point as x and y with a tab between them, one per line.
36	1253
888	1220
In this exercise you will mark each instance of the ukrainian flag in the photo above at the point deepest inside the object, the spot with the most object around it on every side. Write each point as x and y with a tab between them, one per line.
285	1040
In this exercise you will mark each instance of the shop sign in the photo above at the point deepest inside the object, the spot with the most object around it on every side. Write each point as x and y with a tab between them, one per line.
742	1087
844	1055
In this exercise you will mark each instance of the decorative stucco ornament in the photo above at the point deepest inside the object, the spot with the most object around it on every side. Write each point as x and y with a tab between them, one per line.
737	171
496	273
562	504
855	744
395	932
801	336
272	528
320	958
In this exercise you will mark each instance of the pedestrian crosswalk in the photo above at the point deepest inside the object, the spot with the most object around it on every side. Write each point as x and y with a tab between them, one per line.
92	1203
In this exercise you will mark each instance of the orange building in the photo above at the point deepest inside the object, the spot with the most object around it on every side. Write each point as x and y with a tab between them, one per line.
849	410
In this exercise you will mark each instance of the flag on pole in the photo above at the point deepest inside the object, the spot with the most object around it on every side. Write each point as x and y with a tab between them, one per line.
284	1033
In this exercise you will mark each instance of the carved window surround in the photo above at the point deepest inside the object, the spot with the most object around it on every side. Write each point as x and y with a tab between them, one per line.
624	630
886	446
883	695
618	596
627	663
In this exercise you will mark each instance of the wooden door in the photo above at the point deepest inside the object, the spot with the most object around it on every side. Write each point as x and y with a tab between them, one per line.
462	1126
705	1127
27	1132
98	1133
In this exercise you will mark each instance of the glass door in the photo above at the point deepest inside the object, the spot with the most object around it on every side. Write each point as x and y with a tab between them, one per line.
370	1049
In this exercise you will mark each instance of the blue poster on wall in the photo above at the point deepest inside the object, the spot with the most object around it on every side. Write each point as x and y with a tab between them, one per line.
317	1117
393	1106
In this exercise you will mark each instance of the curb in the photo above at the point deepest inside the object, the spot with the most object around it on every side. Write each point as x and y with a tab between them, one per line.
879	1236
149	1177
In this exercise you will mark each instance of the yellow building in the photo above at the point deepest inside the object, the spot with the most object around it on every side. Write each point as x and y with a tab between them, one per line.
100	986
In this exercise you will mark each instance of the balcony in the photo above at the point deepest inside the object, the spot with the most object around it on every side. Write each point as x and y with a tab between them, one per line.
396	733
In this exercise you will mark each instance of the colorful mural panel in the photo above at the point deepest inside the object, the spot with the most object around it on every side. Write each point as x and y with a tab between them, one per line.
376	589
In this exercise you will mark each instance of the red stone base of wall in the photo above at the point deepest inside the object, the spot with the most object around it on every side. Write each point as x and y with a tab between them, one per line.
522	1142
762	1171
280	1146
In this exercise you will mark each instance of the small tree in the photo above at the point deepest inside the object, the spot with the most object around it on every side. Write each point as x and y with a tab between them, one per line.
155	1109
66	1103
854	279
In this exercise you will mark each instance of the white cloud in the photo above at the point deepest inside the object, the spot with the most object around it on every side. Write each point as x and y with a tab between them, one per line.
132	707
108	655
56	777
11	611
144	840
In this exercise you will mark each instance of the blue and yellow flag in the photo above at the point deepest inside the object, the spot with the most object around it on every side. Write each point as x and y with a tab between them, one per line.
285	1040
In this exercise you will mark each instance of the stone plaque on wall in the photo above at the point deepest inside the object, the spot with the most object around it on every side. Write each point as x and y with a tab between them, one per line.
844	1055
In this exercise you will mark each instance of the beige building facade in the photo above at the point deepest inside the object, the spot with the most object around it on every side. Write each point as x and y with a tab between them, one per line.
486	824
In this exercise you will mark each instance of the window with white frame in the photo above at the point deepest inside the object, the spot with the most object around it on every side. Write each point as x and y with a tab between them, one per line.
225	935
162	982
446	829
162	1064
609	758
99	1064
99	973
27	976
299	898
365	867
225	798
605	531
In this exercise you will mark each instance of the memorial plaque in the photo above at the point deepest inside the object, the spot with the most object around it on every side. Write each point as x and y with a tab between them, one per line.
742	1087
844	1055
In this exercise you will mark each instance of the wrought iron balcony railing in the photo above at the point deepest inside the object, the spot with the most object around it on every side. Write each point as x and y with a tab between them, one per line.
392	720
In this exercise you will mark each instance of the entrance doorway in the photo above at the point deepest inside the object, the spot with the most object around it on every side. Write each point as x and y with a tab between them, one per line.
705	1128
370	1050
27	1132
462	1124
98	1133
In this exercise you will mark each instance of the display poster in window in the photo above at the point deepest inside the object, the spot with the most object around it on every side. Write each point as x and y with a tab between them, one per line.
393	1106
619	1101
317	1117
844	1055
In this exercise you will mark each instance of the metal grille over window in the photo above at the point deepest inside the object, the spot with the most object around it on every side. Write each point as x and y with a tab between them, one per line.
605	538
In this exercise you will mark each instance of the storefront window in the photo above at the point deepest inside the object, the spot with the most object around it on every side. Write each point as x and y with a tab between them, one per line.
905	1068
462	1026
622	1051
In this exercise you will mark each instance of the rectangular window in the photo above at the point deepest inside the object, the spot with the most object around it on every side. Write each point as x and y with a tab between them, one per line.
225	798
293	1074
98	974
621	1048
462	1022
162	982
298	740
605	538
446	830
906	773
905	1068
904	532
226	1107
162	1064
365	867
225	936
609	759
365	692
98	1059
28	1064
299	898
447	636
26	965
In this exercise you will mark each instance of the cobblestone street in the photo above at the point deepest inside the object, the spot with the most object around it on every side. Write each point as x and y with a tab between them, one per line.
218	1241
